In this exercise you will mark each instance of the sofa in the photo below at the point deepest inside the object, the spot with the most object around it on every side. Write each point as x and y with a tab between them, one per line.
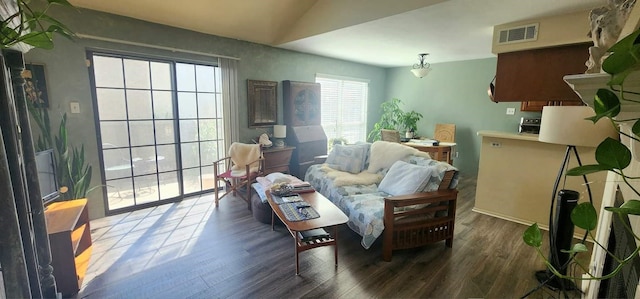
391	190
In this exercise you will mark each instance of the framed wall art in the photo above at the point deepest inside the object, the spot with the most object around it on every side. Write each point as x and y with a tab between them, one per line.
35	85
263	103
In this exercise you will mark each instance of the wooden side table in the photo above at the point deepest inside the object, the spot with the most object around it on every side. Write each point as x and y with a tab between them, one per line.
276	159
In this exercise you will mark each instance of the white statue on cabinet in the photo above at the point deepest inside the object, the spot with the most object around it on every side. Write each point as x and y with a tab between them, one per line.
606	24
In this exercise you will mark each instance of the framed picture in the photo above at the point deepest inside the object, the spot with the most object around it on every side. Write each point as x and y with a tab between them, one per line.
35	85
263	103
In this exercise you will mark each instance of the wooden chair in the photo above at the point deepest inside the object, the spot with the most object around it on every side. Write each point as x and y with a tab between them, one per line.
390	135
445	133
238	171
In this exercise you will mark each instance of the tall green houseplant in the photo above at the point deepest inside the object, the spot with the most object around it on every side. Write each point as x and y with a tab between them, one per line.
611	155
74	175
394	118
34	27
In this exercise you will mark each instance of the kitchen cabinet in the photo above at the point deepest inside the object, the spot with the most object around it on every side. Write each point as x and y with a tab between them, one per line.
536	106
537	75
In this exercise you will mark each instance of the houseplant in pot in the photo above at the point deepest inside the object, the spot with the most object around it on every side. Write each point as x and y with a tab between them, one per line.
394	118
611	155
410	123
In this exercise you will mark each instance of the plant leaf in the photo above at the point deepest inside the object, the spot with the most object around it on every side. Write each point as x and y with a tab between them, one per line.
587	169
605	104
623	59
584	216
532	236
612	153
636	128
37	39
630	207
576	248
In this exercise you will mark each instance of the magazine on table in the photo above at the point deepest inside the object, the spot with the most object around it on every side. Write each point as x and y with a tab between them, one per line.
312	234
293	197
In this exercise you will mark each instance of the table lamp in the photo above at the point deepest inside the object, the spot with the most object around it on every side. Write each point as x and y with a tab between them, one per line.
567	125
279	134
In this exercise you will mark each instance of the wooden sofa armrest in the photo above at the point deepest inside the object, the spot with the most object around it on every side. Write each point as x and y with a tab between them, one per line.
411	227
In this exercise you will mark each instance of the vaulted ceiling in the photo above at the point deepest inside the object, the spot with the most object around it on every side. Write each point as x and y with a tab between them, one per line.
386	33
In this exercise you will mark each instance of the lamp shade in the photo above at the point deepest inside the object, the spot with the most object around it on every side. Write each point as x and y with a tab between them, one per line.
280	131
421	72
567	125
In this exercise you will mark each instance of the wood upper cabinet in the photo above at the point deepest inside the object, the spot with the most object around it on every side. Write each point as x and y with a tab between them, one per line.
536	106
536	75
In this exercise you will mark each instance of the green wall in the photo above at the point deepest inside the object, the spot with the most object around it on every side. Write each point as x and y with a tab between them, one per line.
68	79
456	92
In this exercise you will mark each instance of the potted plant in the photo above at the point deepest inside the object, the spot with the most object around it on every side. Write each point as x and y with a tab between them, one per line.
32	27
410	123
394	118
611	155
74	175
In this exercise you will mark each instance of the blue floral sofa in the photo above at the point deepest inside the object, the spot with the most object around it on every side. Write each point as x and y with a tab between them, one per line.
390	190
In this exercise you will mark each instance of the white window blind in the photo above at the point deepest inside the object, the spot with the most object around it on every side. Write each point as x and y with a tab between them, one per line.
344	107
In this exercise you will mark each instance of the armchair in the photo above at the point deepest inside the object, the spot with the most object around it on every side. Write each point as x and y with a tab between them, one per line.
238	170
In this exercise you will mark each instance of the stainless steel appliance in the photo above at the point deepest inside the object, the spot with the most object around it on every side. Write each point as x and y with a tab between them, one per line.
529	125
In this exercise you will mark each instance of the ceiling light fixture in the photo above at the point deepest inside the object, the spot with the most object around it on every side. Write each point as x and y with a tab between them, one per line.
421	69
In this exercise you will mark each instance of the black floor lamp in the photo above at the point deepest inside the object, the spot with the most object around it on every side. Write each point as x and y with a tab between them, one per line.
567	126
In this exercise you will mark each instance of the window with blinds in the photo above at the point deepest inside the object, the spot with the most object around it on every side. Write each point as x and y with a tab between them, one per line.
344	107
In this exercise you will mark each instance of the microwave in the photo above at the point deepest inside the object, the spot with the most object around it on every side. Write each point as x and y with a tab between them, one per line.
530	125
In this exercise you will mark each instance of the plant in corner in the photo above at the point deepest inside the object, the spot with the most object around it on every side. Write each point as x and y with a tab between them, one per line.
394	118
36	28
611	155
72	172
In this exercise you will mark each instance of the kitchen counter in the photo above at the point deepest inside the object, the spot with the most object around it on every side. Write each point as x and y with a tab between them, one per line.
516	176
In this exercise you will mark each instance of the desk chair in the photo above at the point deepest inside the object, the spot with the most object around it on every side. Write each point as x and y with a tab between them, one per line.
238	170
445	133
389	135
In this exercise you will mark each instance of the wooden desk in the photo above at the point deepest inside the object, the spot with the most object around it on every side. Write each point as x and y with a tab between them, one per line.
442	152
276	159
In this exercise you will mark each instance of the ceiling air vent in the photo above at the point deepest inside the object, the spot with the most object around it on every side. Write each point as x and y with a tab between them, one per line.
519	34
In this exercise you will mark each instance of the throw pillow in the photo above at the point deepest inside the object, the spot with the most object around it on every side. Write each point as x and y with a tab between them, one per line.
349	158
404	178
365	159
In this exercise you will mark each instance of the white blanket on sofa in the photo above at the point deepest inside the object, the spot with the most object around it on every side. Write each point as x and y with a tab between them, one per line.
343	178
383	154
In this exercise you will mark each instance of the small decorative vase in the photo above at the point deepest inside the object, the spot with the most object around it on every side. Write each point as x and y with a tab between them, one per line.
408	134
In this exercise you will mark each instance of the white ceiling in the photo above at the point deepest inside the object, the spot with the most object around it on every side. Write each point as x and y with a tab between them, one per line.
386	33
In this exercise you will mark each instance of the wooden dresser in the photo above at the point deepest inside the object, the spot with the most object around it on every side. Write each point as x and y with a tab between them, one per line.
276	159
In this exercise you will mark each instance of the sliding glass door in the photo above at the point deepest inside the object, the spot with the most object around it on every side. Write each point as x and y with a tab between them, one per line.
161	127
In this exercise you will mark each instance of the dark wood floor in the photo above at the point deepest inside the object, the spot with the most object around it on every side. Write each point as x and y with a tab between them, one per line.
193	250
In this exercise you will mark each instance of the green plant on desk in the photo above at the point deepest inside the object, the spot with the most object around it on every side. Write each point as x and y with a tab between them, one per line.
394	118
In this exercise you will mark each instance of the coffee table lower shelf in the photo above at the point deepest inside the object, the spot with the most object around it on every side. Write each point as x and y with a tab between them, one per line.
330	218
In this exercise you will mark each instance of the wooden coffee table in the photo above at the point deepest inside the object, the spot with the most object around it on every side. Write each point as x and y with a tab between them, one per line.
330	217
